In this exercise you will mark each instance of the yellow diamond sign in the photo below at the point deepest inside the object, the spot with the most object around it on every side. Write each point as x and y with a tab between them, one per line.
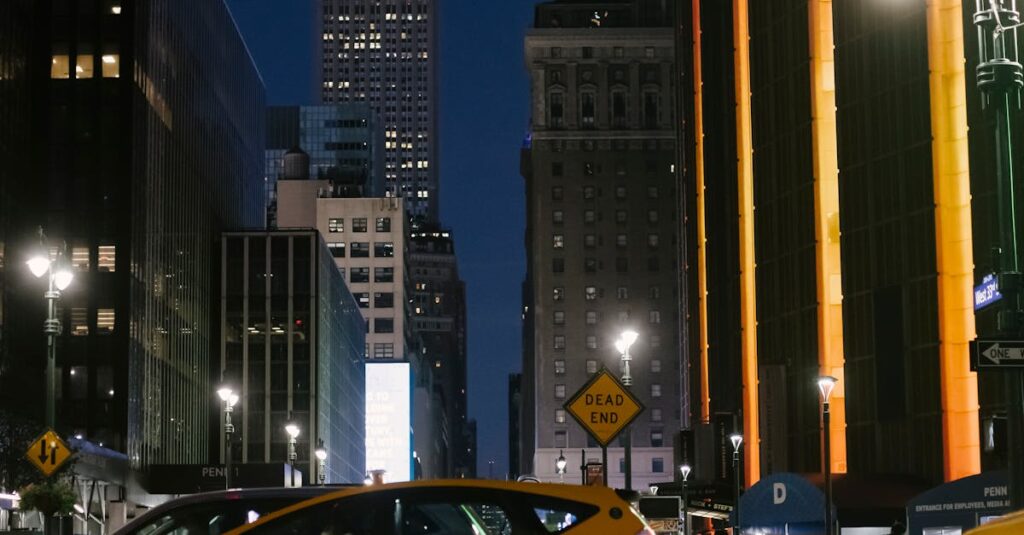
604	407
48	452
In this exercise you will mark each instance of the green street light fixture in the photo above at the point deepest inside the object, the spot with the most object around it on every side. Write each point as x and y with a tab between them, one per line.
625	341
826	384
60	277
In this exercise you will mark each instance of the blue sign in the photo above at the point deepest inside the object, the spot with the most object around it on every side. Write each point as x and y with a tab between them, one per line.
987	292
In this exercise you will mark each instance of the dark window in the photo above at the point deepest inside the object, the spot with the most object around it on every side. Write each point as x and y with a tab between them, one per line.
557	110
383	224
652	264
383	300
657	463
384	325
588	168
556	193
890	360
590	265
620	192
337	249
383	249
360	249
587	109
360	275
589	216
383	274
557	217
557	168
589	192
650	109
621	264
359	224
558	317
557	265
588	52
621	216
589	241
619	109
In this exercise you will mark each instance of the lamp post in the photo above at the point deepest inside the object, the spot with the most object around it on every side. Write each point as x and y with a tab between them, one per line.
292	429
1000	78
583	467
736	440
560	463
230	398
321	456
60	276
825	385
625	341
684	470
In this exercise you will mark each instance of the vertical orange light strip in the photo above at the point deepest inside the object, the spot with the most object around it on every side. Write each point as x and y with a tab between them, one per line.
702	251
826	219
745	194
953	243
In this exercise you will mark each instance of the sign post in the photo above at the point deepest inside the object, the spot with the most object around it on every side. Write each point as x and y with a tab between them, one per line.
48	453
604	408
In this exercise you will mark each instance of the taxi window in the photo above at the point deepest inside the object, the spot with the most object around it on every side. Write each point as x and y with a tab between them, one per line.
211	518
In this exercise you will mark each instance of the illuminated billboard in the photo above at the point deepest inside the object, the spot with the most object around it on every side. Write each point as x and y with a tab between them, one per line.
388	425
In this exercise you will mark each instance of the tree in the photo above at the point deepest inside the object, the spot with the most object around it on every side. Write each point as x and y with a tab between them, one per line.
51	497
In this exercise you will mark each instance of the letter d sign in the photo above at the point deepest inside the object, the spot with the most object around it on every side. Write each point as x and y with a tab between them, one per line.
778	493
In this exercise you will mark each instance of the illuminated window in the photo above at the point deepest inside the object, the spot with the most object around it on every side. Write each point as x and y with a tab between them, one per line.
557	241
559	341
107	258
557	294
590	293
105	321
79	322
83	66
337	249
111	65
60	66
591	341
559	366
558	317
655	415
560	391
591	317
620	240
384	350
115	9
591	366
383	224
336	224
80	258
655	390
559	416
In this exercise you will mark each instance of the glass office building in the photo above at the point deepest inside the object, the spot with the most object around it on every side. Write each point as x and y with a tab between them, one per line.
144	141
293	345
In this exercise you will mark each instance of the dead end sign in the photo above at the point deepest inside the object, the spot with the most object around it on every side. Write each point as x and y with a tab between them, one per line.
604	407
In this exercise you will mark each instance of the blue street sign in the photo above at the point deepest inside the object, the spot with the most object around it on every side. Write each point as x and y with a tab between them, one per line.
987	292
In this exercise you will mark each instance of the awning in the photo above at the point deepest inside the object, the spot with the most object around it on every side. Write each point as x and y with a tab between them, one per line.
966	503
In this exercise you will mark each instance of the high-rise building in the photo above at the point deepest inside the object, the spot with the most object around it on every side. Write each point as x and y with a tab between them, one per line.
439	319
873	204
602	224
344	142
142	146
515	409
291	345
384	53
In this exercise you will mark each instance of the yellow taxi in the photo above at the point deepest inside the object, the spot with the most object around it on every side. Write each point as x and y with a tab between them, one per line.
456	507
1011	524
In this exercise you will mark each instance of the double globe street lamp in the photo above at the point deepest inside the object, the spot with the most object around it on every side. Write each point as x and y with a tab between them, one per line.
60	277
229	398
321	457
292	429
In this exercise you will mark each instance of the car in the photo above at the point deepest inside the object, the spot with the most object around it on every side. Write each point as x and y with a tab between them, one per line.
1011	524
456	507
217	512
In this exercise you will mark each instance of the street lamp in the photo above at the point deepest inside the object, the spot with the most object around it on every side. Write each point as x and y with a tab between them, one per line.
684	470
625	341
321	455
560	465
737	440
230	398
292	429
60	276
826	384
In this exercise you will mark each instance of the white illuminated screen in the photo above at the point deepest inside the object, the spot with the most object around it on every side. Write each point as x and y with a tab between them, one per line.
388	443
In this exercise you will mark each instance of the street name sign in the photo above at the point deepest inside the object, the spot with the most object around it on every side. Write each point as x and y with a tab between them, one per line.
604	407
987	292
999	353
48	452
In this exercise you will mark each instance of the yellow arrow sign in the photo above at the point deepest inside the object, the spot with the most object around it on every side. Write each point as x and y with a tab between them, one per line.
48	452
604	407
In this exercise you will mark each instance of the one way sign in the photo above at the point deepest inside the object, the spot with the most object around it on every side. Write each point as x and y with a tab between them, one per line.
999	353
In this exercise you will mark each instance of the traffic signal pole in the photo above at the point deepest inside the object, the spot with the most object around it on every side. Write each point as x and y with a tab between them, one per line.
1000	78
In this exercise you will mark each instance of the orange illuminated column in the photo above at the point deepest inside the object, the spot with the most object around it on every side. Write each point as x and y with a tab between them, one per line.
748	291
953	246
702	251
826	220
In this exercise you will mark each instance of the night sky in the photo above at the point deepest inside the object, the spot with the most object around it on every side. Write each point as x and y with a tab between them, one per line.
484	110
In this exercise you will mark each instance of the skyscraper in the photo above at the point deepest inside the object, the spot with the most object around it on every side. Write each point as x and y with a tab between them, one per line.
383	52
602	231
143	146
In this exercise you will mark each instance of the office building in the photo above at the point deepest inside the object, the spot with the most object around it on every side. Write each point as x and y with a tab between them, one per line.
384	54
143	146
439	320
873	205
515	407
602	235
344	142
292	347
